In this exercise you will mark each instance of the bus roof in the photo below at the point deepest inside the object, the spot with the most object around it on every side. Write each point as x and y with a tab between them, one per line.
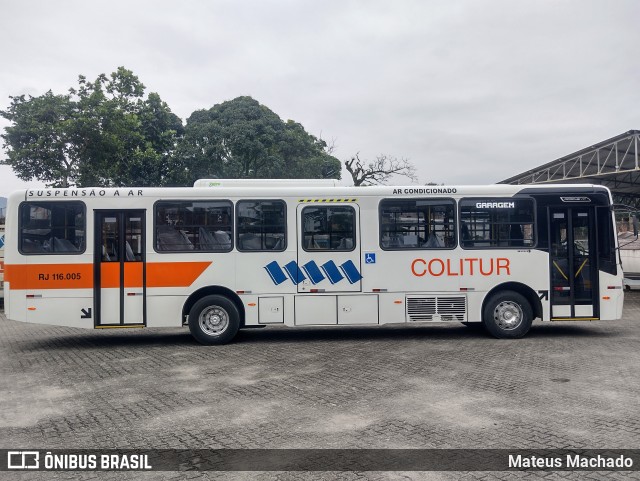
302	191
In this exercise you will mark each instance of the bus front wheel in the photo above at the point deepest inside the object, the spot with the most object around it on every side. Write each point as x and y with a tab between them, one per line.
214	320
507	315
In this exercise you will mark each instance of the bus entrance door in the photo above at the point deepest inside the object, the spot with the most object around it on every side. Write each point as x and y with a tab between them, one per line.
328	249
574	274
328	271
120	268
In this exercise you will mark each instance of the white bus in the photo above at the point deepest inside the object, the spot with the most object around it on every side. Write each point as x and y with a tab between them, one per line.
2	261
239	254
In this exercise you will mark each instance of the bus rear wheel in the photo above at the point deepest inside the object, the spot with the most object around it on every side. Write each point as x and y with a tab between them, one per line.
507	315
214	320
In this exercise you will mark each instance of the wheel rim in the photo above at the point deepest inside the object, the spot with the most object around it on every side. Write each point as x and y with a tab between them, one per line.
508	315
213	320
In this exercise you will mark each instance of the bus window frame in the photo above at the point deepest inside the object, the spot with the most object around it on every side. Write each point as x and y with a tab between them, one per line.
194	251
237	224
419	248
355	229
534	245
54	253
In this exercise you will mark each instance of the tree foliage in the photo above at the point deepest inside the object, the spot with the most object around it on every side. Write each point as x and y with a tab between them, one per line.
107	133
241	138
101	133
380	170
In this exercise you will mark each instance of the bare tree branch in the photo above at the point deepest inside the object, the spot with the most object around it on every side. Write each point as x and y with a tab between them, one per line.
379	170
330	145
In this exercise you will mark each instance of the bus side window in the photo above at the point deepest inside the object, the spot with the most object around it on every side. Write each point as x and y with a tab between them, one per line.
417	224
605	240
52	227
186	226
497	222
328	228
261	225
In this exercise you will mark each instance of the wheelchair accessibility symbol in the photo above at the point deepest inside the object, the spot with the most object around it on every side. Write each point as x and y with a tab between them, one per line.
370	258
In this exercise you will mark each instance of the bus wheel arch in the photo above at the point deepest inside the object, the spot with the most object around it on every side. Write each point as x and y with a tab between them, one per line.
522	289
212	291
507	301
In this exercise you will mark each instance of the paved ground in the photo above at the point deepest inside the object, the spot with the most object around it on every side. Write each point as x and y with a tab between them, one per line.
439	386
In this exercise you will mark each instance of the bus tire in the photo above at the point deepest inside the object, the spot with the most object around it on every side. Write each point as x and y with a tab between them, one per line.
214	320
507	315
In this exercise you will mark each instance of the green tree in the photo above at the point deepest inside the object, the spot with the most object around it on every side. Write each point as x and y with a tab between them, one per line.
242	139
38	142
101	133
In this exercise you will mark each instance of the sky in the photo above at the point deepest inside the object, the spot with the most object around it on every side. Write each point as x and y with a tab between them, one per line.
470	91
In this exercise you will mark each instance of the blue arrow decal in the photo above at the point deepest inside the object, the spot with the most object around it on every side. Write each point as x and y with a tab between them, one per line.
351	271
276	274
294	272
313	271
316	274
332	272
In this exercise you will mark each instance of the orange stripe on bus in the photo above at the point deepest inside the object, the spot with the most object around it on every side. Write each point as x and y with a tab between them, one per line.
110	275
174	274
49	276
133	274
80	276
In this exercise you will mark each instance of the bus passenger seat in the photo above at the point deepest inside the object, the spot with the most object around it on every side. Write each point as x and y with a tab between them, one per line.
130	256
207	241
346	243
30	246
250	242
223	238
433	241
63	245
170	239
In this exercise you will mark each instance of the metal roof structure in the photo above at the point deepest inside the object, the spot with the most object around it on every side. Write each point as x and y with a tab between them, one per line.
614	163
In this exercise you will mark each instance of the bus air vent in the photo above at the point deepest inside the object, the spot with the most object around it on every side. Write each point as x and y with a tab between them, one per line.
437	308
